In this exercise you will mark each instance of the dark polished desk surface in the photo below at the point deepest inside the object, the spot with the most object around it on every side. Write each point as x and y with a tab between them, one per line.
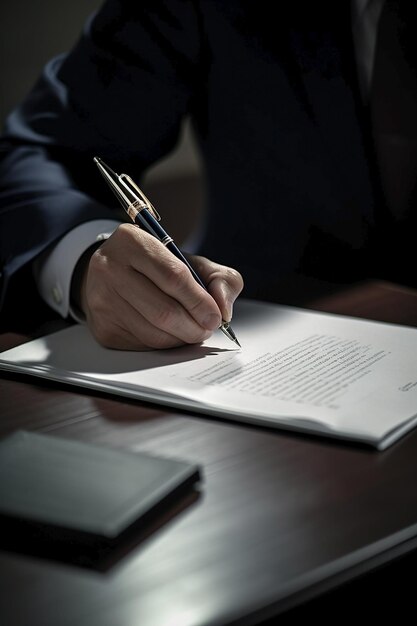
284	526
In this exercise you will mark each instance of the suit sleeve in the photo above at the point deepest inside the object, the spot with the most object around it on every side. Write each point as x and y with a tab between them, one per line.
121	94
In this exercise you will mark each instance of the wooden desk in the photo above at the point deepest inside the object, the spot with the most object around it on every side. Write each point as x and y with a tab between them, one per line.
281	519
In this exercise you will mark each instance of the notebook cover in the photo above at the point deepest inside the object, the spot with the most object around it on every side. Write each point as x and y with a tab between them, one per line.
84	488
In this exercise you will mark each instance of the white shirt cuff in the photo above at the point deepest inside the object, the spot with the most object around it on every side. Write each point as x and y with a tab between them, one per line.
53	270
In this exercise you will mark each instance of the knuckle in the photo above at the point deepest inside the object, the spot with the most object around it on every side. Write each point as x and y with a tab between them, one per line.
127	235
177	276
230	276
125	230
98	263
234	278
237	280
166	316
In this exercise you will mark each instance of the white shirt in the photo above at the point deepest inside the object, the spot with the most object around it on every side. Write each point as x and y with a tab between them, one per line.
53	271
365	17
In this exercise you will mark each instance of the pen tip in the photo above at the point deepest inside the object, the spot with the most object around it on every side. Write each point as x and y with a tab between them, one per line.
232	335
97	159
227	330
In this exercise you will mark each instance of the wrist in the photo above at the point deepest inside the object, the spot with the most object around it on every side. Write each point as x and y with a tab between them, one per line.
77	289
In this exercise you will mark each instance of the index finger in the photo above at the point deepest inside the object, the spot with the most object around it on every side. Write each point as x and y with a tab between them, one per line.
151	258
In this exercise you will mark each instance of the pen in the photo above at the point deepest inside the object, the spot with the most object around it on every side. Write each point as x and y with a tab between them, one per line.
144	215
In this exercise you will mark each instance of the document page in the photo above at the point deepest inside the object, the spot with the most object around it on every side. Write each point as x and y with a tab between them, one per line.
346	375
297	369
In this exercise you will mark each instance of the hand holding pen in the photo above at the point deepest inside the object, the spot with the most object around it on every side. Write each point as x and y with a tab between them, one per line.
140	294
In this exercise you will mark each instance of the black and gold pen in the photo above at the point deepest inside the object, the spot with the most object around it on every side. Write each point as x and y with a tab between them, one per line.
144	215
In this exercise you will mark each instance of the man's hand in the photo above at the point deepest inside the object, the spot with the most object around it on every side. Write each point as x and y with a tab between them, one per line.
137	295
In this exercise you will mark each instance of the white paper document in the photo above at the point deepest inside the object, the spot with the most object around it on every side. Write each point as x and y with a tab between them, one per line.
300	370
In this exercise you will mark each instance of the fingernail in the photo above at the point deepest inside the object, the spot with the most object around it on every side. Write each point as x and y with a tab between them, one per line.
229	308
227	305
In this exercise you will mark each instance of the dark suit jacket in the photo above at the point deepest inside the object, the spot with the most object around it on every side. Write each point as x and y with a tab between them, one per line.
291	185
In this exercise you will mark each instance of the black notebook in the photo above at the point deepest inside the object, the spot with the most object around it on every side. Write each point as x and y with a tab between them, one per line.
84	488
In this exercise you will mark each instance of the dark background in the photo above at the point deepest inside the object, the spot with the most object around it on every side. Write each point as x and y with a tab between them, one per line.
33	31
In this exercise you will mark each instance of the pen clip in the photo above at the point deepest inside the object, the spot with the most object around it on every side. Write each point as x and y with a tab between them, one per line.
132	187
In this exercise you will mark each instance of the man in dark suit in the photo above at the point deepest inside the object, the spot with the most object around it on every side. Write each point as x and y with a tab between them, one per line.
282	109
